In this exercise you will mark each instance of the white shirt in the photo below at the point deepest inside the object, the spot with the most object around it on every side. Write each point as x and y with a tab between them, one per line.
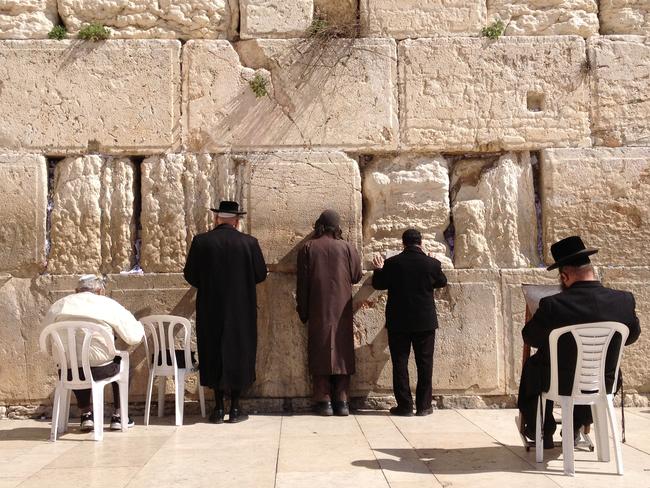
100	310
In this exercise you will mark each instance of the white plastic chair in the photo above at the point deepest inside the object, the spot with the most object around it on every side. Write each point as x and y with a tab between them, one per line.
592	341
70	332
164	364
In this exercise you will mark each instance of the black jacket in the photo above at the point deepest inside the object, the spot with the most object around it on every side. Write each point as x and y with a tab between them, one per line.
225	265
410	278
583	302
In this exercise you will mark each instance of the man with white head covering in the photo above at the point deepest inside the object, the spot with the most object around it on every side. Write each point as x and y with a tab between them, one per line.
89	304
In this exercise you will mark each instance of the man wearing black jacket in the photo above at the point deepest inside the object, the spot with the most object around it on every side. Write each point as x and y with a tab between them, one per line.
410	278
583	300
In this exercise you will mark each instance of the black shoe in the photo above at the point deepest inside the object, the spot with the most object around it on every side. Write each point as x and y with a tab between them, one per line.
216	417
116	422
236	416
424	412
401	411
547	439
341	408
86	423
324	409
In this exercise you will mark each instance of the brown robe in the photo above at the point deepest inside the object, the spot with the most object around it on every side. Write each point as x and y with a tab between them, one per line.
327	269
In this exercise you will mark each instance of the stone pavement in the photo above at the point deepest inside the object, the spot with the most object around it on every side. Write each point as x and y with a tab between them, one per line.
451	448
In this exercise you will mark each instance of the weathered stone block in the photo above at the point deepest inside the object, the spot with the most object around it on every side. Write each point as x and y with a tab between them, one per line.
282	369
514	316
621	87
421	18
601	194
178	191
93	220
23	186
515	93
469	342
27	19
311	87
178	19
402	192
341	13
624	17
635	366
493	205
287	191
275	18
111	97
546	17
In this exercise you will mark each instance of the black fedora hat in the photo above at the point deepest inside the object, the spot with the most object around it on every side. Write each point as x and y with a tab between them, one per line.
228	207
570	250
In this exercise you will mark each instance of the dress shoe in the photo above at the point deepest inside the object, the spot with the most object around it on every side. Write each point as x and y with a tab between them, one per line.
341	408
424	412
236	416
216	417
401	411
324	409
547	439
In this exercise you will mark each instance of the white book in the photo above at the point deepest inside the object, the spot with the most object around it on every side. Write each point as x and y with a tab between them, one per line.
534	293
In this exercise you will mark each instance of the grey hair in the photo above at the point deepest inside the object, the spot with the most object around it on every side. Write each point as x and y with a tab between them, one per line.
90	282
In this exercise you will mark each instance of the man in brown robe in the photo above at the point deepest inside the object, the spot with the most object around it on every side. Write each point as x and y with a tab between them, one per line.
328	266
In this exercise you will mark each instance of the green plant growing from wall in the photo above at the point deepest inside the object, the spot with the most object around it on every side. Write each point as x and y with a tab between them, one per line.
58	32
94	32
259	86
317	27
495	30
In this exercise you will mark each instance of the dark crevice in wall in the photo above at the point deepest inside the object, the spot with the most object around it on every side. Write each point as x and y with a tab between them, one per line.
535	162
363	160
51	167
137	211
450	235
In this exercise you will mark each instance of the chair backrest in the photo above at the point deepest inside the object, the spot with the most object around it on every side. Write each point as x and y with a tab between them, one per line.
592	342
161	328
70	333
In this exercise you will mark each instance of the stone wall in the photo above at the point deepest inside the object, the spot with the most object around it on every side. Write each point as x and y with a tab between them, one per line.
396	113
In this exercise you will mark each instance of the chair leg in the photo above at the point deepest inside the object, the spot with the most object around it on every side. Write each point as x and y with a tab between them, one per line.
599	414
56	416
124	401
567	435
616	434
98	411
180	395
66	410
64	402
539	444
202	400
147	404
161	395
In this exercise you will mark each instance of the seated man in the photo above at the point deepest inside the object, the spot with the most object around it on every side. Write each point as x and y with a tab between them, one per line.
583	300
89	304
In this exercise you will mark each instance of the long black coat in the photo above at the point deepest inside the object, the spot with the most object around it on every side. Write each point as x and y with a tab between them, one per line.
225	265
583	302
410	278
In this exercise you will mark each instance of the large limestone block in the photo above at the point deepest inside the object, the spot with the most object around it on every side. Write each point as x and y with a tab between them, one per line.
474	94
624	17
402	192
173	19
621	90
23	186
493	206
68	97
287	191
514	316
546	17
635	365
340	13
421	18
601	194
469	355
282	368
93	219
275	18
178	191
338	94
27	19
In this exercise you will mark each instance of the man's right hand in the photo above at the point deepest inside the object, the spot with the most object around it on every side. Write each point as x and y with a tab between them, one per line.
378	261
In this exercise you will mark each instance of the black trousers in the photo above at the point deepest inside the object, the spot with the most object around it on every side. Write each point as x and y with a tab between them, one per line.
99	373
423	344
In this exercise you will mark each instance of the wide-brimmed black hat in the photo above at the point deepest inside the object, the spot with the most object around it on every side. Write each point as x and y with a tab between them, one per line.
228	207
570	251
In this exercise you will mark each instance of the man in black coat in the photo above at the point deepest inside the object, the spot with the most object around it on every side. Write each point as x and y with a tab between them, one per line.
410	278
583	300
225	265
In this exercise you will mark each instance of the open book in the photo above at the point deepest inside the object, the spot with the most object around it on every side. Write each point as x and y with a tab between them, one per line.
534	293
